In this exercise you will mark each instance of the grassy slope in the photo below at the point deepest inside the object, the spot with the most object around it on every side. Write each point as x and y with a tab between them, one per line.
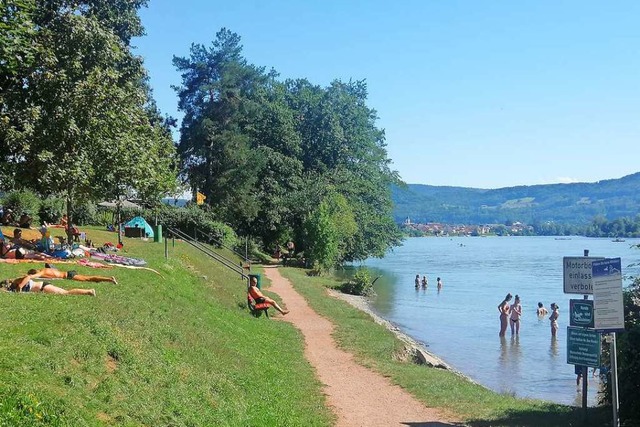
179	351
183	351
375	346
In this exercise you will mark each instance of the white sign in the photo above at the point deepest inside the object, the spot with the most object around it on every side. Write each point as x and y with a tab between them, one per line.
608	306
577	274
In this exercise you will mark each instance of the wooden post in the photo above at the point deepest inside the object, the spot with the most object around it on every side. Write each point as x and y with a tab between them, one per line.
166	249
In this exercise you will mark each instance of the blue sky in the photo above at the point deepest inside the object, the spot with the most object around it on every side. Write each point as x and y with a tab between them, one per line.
483	94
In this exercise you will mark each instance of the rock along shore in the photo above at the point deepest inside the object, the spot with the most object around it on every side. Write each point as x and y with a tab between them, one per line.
413	349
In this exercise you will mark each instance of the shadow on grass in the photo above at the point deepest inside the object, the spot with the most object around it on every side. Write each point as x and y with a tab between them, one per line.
595	417
433	424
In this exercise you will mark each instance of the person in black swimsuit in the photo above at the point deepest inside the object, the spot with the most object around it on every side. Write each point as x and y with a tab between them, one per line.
54	273
28	284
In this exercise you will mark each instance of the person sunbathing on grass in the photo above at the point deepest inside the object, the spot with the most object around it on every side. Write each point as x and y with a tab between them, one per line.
28	284
54	273
15	252
259	297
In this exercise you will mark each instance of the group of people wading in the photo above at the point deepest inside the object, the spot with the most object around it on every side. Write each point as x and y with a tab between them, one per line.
510	314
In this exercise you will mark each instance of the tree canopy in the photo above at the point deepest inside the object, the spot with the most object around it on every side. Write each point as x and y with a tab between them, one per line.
76	115
275	156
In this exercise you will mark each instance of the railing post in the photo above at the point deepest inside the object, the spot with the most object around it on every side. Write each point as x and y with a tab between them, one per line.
166	249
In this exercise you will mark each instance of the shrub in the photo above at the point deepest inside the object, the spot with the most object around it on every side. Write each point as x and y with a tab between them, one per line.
51	210
84	213
628	349
192	220
360	284
23	201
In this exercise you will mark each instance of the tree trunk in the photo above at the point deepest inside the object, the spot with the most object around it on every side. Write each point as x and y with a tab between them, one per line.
70	219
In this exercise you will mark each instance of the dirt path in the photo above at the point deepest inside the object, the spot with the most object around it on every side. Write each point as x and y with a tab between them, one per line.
358	396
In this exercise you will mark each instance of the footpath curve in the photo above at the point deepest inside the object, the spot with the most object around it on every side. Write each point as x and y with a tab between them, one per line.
357	395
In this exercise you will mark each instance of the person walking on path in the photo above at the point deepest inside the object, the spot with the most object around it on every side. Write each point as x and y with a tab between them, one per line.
358	395
515	314
503	308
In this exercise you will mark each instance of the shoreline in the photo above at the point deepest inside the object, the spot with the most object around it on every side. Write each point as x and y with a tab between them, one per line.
413	349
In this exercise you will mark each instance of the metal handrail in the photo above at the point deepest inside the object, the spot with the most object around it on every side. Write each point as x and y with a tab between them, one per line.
221	259
219	243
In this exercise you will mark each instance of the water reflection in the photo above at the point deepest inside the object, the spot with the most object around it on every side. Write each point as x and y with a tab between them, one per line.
553	350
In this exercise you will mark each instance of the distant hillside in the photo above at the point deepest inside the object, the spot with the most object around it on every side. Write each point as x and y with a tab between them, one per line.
575	203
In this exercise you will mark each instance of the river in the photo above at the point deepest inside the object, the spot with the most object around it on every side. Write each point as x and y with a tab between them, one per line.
460	323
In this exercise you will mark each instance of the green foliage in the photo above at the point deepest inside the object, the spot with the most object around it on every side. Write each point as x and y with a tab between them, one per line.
267	153
565	204
360	284
84	214
51	210
192	220
23	201
628	358
329	231
77	120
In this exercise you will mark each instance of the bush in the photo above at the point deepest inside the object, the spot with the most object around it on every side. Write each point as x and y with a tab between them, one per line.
192	220
23	201
628	349
84	213
51	210
360	284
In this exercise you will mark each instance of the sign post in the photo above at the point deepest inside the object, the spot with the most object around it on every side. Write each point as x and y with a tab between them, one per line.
609	313
578	279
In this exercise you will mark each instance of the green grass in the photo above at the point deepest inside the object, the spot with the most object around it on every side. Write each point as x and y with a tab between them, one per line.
178	351
183	351
374	346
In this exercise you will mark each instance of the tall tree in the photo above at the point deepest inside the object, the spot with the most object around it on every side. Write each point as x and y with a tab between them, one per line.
78	121
219	99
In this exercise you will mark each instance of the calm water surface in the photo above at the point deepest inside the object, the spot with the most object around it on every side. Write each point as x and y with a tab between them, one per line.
460	323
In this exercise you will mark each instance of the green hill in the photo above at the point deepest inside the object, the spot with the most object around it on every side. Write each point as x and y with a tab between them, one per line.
575	203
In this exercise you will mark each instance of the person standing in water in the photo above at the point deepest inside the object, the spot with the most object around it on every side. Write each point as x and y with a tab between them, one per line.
503	308
425	281
516	313
439	283
553	318
417	281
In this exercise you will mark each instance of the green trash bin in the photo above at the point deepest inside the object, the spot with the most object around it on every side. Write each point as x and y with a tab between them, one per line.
257	276
157	234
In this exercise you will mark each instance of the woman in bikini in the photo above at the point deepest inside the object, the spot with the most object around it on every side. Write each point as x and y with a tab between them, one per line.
516	313
503	308
28	284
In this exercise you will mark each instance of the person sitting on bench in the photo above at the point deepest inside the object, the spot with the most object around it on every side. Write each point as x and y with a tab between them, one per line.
259	297
54	273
